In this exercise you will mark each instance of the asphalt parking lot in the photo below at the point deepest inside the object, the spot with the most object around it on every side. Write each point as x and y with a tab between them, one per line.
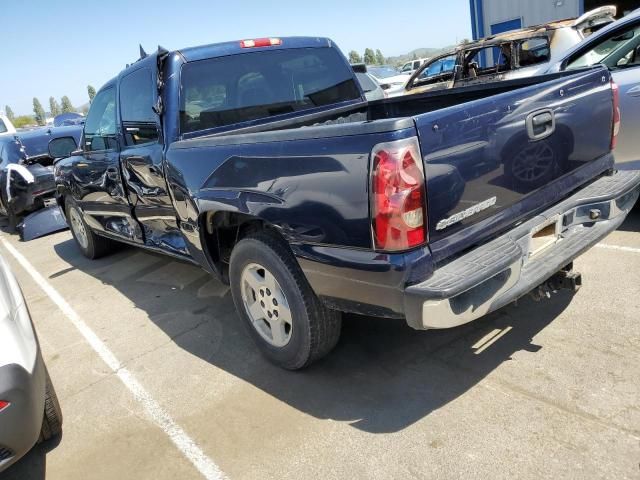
538	390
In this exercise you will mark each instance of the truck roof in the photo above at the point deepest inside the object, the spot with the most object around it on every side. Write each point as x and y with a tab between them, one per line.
213	50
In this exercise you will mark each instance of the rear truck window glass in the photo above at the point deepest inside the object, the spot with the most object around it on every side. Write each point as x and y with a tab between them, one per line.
366	83
239	88
533	51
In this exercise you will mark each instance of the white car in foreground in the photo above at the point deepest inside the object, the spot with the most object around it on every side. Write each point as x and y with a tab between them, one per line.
29	408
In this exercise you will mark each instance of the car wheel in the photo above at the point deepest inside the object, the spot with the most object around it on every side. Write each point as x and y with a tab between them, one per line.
52	418
91	245
284	317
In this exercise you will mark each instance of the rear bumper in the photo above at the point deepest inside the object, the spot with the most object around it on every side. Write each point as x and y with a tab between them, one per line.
501	271
407	285
21	421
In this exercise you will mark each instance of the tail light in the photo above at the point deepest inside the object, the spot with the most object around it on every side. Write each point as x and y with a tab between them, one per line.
3	405
398	197
260	42
616	114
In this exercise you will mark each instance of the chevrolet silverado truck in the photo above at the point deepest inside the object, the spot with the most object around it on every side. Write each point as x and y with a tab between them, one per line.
261	161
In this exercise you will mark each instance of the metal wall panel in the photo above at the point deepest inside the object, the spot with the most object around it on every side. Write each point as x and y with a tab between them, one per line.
532	12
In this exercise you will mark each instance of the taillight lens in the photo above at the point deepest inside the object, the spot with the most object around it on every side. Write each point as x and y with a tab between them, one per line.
398	197
3	405
616	114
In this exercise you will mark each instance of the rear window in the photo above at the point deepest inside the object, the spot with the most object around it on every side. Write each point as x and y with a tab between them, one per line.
239	88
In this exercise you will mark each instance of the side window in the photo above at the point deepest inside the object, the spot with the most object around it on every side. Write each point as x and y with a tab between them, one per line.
443	65
533	52
618	50
100	126
3	127
136	108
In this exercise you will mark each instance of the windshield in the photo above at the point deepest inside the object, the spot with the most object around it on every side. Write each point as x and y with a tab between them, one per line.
238	88
383	72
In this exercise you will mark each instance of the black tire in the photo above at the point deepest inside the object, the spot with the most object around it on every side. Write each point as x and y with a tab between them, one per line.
12	220
52	418
97	246
315	328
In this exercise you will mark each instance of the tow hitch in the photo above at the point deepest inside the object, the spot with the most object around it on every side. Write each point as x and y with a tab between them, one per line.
565	279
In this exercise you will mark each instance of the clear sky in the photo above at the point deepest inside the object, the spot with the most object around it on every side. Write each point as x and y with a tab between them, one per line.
56	48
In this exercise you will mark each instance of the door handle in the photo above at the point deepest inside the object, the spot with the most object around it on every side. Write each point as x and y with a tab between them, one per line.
541	124
634	92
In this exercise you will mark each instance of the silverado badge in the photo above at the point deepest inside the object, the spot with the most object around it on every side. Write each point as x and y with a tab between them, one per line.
458	217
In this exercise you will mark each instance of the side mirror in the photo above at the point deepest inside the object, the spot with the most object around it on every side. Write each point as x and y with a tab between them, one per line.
62	147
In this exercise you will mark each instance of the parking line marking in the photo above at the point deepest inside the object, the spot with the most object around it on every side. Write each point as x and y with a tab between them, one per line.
493	340
158	415
618	247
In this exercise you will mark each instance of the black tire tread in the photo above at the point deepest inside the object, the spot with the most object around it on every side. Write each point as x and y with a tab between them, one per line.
324	332
99	246
52	418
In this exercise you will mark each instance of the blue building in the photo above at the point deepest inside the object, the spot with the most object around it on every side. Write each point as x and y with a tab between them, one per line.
489	17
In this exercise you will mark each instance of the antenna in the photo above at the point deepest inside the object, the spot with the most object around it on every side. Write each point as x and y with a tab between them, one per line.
143	54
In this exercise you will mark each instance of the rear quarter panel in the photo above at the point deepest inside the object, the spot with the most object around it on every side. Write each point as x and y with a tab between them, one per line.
313	190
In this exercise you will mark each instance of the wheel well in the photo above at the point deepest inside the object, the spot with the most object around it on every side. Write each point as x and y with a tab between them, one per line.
221	231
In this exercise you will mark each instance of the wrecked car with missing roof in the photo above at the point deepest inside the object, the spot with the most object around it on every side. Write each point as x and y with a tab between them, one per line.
506	56
26	170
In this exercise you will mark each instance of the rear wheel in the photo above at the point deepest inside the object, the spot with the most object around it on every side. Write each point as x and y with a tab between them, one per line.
287	321
52	418
91	245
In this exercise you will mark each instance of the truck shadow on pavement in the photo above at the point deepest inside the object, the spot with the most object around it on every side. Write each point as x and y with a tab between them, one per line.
382	377
33	466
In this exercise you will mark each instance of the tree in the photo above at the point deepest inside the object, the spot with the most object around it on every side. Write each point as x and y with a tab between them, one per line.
369	57
41	118
9	112
379	57
354	57
54	108
91	92
23	121
66	105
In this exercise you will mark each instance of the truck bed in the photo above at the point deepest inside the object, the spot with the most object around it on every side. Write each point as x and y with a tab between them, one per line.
468	137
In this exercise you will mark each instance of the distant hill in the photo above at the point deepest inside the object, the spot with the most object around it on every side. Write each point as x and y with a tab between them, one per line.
418	53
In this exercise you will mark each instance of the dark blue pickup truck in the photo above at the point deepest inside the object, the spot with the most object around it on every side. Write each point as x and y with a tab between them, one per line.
262	162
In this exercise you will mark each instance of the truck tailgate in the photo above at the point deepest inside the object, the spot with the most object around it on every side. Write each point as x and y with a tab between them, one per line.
496	161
